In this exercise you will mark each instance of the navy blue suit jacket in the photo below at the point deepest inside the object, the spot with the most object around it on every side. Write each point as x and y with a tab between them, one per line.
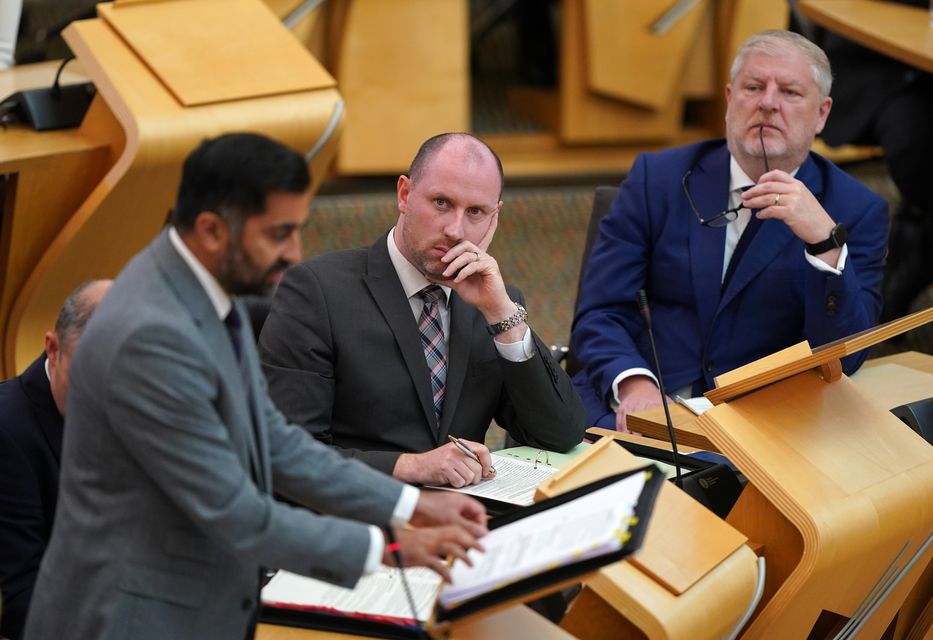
650	238
30	448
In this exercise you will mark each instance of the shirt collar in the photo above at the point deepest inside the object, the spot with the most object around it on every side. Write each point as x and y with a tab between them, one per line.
738	179
412	280
219	298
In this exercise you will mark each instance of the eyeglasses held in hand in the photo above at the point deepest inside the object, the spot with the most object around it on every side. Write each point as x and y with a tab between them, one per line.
721	219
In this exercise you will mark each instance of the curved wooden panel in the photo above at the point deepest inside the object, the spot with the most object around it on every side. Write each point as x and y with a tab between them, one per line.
129	206
845	488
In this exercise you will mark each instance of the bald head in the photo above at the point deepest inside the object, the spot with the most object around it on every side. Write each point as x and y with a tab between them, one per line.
465	143
77	309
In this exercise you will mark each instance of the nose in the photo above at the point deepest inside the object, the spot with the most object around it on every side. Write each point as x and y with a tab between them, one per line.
453	227
292	251
769	97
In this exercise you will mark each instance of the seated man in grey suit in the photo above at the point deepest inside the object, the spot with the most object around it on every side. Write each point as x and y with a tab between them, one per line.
174	453
31	410
365	350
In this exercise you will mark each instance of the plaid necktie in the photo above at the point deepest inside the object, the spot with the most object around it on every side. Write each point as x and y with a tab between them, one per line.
433	343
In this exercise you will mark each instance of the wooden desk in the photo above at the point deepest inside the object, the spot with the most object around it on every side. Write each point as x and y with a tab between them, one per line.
896	30
891	381
80	203
516	623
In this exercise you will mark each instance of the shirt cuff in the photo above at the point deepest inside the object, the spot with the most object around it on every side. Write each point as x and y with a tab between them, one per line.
404	509
376	547
519	351
822	266
628	373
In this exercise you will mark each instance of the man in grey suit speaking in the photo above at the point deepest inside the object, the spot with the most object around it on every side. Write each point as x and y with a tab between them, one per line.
173	449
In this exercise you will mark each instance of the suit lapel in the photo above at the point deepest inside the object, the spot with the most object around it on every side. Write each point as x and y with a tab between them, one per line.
458	356
386	289
709	188
770	241
189	291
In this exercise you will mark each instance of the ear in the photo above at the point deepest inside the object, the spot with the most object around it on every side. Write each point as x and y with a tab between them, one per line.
211	232
52	349
403	190
825	106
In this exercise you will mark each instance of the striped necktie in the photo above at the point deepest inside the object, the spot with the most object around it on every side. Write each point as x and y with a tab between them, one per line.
433	343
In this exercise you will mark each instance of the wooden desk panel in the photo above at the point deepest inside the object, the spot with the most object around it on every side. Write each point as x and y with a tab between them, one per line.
891	381
515	623
899	31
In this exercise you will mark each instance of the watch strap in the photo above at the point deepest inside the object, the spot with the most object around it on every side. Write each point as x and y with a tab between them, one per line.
837	238
509	323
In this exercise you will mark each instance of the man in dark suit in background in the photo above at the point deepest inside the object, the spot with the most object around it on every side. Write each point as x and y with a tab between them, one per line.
344	345
174	455
745	246
32	407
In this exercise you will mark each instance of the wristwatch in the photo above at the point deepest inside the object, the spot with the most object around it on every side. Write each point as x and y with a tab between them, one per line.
837	238
509	323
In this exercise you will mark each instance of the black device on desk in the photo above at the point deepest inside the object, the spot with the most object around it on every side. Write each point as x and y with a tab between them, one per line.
715	485
918	416
56	107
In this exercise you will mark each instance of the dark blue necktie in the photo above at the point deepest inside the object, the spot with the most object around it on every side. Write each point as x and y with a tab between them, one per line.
741	247
233	324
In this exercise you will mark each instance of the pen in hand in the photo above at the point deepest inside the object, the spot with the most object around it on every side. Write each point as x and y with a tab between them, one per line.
465	449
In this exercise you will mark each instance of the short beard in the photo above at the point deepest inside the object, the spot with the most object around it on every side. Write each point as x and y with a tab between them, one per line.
235	272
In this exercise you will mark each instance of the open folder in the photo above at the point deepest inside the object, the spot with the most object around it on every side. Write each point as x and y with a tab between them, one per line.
527	551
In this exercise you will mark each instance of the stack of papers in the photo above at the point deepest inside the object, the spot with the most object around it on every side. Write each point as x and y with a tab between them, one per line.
515	481
378	596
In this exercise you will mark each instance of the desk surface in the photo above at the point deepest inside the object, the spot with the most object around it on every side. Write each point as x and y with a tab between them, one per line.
899	31
891	381
518	623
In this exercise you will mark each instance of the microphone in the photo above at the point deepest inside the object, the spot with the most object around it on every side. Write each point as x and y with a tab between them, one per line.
646	314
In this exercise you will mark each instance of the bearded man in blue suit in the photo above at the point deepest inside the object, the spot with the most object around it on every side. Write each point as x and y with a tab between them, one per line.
744	246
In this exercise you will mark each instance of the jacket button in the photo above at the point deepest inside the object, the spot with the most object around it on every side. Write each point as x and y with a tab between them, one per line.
709	366
246	604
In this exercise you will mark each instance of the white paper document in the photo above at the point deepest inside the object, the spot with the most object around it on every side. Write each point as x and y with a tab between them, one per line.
697	405
515	481
378	594
591	525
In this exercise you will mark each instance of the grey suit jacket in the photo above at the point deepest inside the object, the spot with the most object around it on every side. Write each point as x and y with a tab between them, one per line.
166	512
343	357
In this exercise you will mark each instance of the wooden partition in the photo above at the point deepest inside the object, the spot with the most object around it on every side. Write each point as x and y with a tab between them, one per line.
168	74
404	69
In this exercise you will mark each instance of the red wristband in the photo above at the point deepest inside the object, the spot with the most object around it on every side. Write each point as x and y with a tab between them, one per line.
394	547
